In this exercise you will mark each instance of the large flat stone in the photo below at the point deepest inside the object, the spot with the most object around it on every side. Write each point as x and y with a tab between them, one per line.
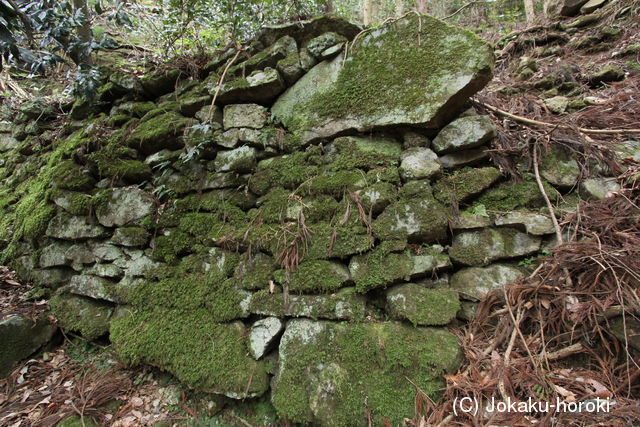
415	71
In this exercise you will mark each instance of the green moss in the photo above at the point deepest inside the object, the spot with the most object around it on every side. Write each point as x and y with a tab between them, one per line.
422	306
68	175
366	153
158	132
170	246
465	184
255	271
117	162
329	241
287	171
199	351
373	81
214	201
512	195
388	174
380	268
84	315
341	374
314	276
280	205
336	183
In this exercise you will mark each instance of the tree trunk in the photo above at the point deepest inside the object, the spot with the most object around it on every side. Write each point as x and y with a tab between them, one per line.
421	6
399	8
529	11
367	7
84	32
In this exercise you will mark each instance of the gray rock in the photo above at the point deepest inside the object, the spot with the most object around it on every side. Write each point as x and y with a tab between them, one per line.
107	252
367	90
345	304
125	206
419	163
555	8
93	287
599	188
67	227
423	220
80	254
422	306
251	116
240	160
470	221
557	104
533	223
211	114
138	267
51	277
110	271
592	5
304	31
222	180
474	283
53	255
8	142
463	134
377	196
463	158
130	236
21	337
260	86
263	336
427	264
483	247
560	168
321	43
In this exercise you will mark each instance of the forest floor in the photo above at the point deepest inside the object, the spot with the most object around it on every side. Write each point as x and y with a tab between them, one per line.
525	341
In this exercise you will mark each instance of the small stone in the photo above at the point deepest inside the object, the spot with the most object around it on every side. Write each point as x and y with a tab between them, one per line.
560	168
463	158
263	335
608	74
124	206
240	160
107	252
427	264
20	338
483	247
110	271
471	221
557	104
130	236
53	255
259	86
67	227
210	113
93	287
345	304
8	142
533	223
475	282
422	306
320	44
80	254
418	163
599	188
251	116
463	134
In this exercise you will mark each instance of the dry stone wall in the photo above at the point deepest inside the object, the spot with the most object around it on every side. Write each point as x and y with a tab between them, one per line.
308	236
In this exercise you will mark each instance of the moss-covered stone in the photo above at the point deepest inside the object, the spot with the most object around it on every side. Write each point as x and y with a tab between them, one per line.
84	315
461	186
401	73
422	306
365	153
422	220
337	241
117	162
513	195
158	132
315	276
287	171
335	373
200	352
20	338
255	271
344	304
487	245
67	175
379	269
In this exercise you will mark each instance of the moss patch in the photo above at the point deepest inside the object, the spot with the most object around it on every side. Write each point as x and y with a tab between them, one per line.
84	315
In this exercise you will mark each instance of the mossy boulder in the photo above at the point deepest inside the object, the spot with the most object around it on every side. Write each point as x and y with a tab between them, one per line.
479	248
560	168
130	236
379	269
68	227
240	160
335	373
513	195
20	338
203	354
315	276
304	31
417	70
366	153
255	271
422	306
159	132
463	134
474	283
422	220
419	163
261	86
344	304
461	186
94	287
123	206
84	315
